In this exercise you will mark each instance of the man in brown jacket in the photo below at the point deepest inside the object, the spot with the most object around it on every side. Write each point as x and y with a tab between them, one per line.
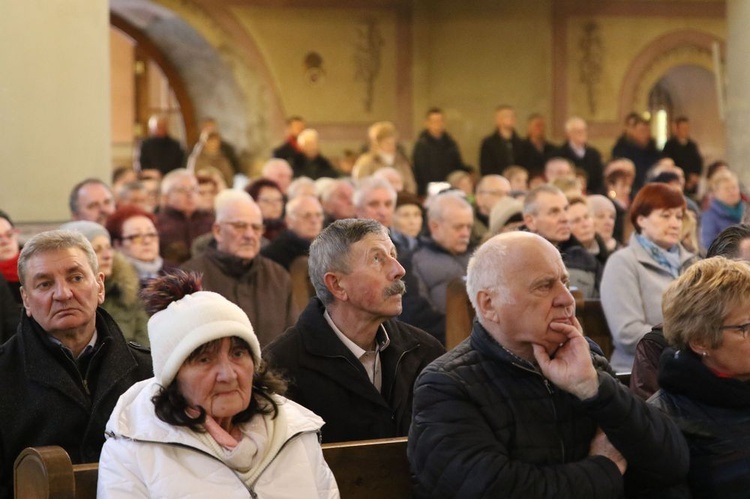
233	267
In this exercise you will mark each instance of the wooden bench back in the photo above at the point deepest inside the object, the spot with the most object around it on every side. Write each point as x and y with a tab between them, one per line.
302	288
459	314
370	469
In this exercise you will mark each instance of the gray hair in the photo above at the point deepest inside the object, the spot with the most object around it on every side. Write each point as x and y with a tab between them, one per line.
229	197
328	189
329	252
298	185
367	185
73	198
444	203
171	178
530	206
599	203
273	164
485	272
55	240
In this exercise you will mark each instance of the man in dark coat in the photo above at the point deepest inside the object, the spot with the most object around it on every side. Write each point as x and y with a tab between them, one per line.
435	153
233	267
527	407
684	152
639	147
503	146
347	359
583	156
160	152
63	372
535	149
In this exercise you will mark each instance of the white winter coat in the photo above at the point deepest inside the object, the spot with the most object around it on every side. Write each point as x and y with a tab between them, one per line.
146	457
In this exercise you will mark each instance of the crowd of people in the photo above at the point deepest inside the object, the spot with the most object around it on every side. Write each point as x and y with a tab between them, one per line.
162	316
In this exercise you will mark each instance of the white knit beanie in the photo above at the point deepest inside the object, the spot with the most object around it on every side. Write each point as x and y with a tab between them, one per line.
190	322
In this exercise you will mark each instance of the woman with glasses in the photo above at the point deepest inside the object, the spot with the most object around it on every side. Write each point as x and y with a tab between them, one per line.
267	194
705	381
134	235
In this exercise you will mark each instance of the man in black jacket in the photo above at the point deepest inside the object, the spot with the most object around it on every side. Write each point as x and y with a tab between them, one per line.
63	372
503	146
347	359
435	154
526	407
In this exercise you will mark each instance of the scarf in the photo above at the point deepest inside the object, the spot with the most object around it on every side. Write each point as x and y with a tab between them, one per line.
9	268
733	212
667	259
147	270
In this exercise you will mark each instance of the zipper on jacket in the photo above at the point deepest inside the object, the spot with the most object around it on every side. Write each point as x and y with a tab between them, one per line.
398	364
251	488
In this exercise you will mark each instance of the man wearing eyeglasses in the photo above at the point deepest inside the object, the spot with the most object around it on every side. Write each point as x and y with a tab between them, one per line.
180	221
233	267
304	221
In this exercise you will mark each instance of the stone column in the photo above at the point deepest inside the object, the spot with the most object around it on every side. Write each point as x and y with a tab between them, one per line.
54	104
738	88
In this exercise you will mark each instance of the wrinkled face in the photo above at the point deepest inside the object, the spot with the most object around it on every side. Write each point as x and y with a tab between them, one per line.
581	223
220	380
95	203
604	223
306	219
435	124
551	220
535	296
240	229
732	357
8	241
378	204
271	203
453	230
728	192
373	285
139	239
184	195
662	226
489	191
340	204
104	254
408	220
61	291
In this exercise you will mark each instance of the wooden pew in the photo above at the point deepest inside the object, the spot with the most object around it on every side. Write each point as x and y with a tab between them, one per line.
459	314
369	469
302	288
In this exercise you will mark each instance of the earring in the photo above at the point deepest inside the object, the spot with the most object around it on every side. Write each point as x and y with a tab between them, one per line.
704	354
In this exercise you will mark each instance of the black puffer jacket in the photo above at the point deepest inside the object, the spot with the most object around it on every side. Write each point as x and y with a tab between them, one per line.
488	424
329	380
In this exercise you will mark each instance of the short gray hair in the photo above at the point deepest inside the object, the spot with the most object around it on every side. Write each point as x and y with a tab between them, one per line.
446	202
229	197
484	272
329	252
171	178
369	184
530	206
55	240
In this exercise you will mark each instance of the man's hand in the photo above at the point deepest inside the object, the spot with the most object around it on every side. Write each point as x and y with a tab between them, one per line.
570	368
601	446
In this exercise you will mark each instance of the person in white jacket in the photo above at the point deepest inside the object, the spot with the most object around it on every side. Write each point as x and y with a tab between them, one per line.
212	421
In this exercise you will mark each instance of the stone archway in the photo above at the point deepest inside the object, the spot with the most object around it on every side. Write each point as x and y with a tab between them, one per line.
216	66
679	48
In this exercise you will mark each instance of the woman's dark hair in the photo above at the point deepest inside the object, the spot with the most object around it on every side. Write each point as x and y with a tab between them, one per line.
171	405
256	186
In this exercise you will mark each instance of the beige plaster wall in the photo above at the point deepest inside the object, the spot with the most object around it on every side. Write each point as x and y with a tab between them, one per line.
54	97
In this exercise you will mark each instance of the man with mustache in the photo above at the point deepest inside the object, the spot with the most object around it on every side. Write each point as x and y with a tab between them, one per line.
233	267
527	407
347	359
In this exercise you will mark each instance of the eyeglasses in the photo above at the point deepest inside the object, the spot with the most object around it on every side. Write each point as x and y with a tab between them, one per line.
271	200
743	329
243	226
141	238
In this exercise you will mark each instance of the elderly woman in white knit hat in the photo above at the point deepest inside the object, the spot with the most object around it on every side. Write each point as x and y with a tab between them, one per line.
211	421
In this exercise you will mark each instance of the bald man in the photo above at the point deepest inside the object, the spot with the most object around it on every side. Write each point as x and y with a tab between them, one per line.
527	407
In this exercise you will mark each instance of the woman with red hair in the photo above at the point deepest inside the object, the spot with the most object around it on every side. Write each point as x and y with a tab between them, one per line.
635	277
